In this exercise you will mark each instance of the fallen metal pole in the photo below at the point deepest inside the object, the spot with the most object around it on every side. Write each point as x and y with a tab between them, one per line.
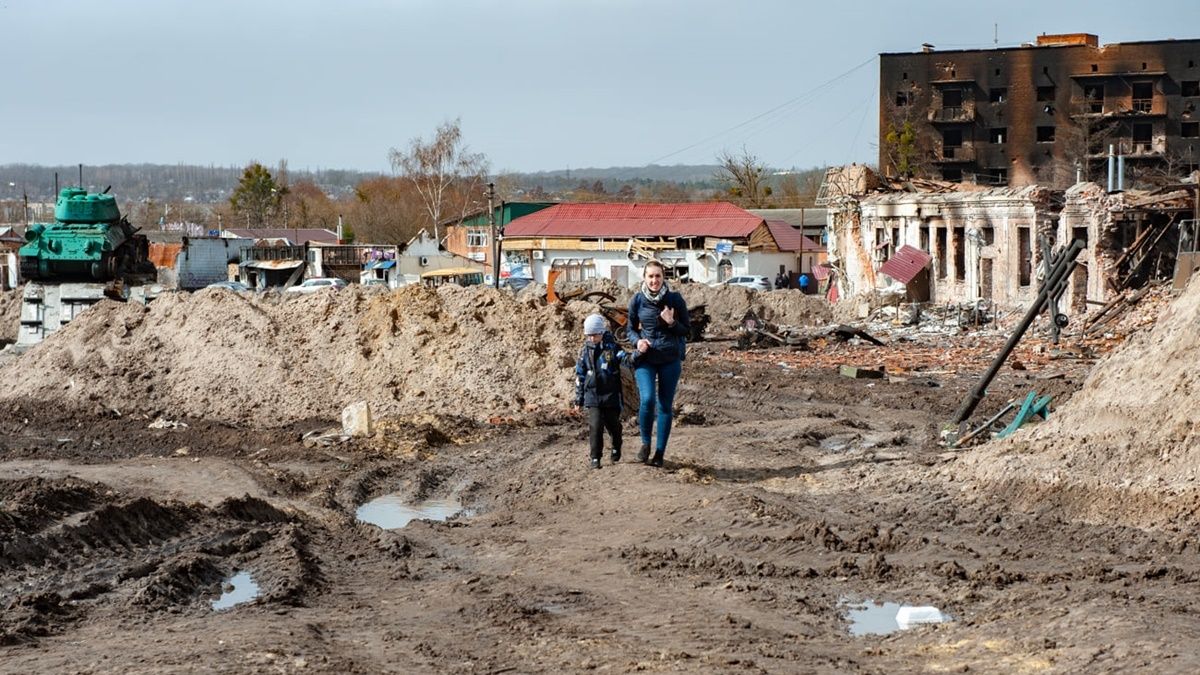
1056	274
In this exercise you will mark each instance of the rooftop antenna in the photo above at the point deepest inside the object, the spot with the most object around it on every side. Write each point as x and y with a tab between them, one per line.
81	176
995	33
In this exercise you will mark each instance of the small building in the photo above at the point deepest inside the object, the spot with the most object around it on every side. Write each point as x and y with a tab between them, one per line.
10	267
707	242
471	237
188	263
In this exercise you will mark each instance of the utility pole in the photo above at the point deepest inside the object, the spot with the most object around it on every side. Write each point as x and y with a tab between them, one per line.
491	196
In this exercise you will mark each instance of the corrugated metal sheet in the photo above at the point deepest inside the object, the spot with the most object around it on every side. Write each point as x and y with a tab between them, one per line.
295	235
165	255
821	272
907	262
789	238
714	219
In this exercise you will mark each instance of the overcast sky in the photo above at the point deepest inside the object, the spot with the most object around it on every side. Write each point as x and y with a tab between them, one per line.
538	84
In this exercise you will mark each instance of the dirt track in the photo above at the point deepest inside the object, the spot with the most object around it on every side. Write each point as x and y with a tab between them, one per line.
787	493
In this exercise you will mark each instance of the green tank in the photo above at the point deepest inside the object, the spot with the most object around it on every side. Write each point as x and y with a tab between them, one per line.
89	240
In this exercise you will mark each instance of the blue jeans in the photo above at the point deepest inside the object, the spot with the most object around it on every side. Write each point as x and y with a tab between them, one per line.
667	375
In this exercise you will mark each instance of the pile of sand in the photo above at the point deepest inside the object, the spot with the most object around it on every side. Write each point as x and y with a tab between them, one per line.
269	360
10	315
1133	427
727	305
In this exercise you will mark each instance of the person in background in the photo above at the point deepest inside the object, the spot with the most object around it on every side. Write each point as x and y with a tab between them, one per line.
804	283
781	281
598	386
658	327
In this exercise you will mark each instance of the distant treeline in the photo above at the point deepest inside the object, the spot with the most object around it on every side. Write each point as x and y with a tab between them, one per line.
214	184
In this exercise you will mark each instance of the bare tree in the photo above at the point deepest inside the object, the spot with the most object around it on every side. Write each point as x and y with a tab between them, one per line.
446	174
744	178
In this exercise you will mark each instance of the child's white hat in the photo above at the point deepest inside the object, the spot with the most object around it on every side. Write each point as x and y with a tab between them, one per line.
594	325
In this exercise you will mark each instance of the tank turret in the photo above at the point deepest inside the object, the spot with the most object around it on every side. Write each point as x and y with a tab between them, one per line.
89	240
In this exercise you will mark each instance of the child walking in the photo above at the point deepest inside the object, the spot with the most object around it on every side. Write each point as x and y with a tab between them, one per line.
598	386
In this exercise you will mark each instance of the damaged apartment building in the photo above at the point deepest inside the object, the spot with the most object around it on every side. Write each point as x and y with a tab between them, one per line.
956	243
1043	113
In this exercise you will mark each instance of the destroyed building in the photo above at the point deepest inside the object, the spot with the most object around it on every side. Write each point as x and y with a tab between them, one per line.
974	243
1042	113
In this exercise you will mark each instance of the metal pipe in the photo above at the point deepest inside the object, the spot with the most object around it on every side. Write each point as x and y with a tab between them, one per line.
1111	161
1120	173
1053	277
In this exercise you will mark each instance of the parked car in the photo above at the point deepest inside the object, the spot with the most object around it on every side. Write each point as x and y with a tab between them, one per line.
752	281
317	284
230	286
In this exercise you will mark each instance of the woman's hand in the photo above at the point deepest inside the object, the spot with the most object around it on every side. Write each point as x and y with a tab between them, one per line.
668	315
643	346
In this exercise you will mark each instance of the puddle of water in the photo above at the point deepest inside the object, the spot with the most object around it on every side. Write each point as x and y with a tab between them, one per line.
390	512
244	590
883	618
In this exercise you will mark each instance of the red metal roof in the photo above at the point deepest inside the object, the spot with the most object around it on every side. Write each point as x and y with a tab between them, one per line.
906	264
711	219
790	238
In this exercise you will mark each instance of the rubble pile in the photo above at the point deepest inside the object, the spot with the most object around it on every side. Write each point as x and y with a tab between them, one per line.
727	305
10	315
1132	426
270	361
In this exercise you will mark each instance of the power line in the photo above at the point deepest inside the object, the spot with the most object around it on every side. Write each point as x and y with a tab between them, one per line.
781	106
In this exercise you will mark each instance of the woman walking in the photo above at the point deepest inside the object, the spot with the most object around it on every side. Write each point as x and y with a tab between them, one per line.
658	328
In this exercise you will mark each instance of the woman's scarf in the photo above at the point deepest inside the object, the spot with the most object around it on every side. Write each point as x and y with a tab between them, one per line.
655	298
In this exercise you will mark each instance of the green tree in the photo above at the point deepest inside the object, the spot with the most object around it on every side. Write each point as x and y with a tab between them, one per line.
258	196
901	147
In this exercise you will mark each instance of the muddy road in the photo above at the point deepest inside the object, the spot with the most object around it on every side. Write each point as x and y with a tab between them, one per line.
790	496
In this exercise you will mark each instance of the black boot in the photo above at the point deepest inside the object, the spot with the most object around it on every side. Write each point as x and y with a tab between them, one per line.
657	459
595	462
644	453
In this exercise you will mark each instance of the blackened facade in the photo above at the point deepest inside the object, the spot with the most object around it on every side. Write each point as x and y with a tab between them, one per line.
1043	113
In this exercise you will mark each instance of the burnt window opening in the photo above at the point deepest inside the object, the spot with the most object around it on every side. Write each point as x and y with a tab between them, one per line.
997	135
960	253
1143	96
953	175
1045	93
989	236
1024	257
1045	70
1080	233
1045	134
1095	68
1190	88
953	74
1143	66
902	98
997	71
995	176
895	239
941	252
1190	129
952	98
998	94
1142	132
904	76
1094	95
952	140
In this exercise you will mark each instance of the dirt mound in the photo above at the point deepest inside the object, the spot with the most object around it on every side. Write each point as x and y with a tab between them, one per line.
10	315
272	361
1131	432
728	304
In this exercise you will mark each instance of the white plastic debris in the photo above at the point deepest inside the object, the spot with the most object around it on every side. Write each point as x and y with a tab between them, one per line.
909	616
